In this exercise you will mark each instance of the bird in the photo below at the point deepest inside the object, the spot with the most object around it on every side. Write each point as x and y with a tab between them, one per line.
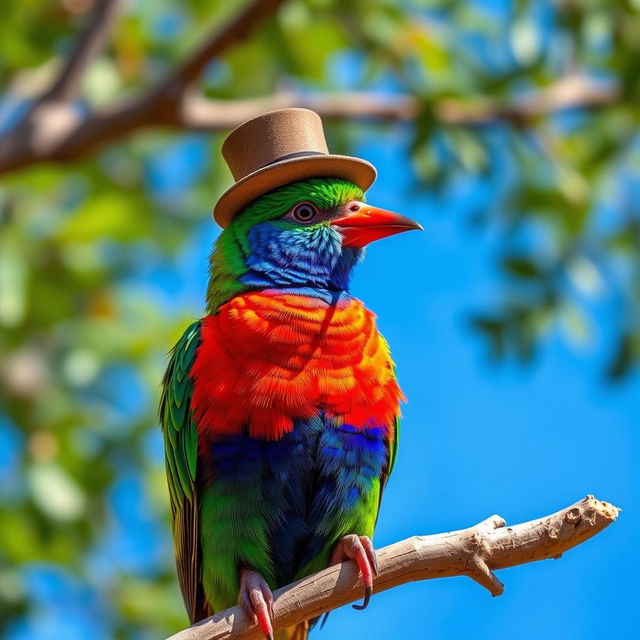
280	407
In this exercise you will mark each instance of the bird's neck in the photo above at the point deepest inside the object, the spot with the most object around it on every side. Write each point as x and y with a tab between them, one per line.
232	275
222	289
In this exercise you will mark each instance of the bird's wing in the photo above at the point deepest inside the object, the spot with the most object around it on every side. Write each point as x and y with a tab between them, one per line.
181	452
392	443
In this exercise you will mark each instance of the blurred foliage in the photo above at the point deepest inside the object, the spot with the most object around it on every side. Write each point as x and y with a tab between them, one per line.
83	327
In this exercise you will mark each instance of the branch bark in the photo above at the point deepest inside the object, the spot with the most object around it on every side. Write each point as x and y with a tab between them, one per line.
59	132
570	92
475	552
235	31
56	131
66	85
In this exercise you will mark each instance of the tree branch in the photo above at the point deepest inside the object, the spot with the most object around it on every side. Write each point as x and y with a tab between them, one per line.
90	44
570	92
474	552
54	131
59	133
232	33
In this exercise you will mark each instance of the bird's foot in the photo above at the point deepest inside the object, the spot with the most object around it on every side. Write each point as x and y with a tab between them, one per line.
360	549
257	600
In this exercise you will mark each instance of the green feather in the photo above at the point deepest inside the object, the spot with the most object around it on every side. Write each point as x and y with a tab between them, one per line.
181	452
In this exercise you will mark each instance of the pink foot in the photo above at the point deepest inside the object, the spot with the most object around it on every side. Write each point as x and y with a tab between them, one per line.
360	549
257	600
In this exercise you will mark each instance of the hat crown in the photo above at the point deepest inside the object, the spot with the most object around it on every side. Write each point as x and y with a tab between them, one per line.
278	148
271	137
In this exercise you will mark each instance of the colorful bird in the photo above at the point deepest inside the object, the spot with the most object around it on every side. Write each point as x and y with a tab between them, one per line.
280	407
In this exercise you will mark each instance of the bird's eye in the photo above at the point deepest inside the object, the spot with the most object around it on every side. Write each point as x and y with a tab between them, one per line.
304	212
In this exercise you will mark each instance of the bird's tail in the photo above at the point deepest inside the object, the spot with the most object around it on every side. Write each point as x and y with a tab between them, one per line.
299	632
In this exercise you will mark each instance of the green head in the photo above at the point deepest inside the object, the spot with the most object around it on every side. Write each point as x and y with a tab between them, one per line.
307	234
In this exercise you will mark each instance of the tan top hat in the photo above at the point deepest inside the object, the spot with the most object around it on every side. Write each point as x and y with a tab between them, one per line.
277	148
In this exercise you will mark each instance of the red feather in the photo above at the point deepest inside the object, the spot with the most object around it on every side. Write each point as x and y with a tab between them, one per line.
267	359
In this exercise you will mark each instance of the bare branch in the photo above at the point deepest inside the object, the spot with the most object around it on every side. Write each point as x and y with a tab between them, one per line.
57	132
572	91
474	552
199	113
221	40
62	134
89	46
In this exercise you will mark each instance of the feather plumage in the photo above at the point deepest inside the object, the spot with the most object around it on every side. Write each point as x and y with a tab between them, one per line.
280	407
181	449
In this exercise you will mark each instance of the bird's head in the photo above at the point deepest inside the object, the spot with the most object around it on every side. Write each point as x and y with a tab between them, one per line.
308	234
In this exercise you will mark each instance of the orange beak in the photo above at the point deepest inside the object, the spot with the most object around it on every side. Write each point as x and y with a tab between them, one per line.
364	224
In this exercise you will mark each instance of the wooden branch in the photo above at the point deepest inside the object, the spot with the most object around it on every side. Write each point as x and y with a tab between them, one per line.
204	114
221	40
59	133
572	91
475	552
54	131
90	44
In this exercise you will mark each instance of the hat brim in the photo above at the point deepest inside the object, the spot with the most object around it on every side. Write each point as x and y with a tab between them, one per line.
278	174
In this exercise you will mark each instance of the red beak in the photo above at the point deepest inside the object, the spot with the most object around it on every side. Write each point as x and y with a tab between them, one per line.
364	224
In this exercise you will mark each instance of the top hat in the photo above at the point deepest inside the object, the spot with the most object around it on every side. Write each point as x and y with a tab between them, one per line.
277	148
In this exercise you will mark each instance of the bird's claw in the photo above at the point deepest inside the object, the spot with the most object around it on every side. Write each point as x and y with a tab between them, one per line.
257	600
365	603
360	549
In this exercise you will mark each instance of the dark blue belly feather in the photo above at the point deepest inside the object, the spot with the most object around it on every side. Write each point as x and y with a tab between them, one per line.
309	480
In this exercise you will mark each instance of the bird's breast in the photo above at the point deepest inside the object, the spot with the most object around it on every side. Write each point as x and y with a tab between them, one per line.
267	359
